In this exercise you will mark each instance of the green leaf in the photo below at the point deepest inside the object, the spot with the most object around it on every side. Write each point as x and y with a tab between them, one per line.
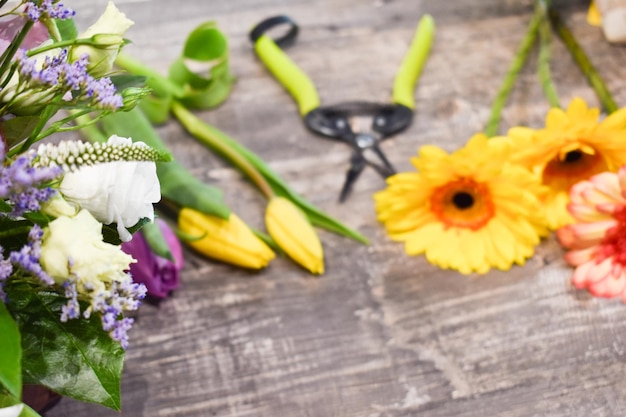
177	184
202	69
29	412
124	81
19	128
11	357
37	218
76	359
156	241
67	29
5	207
156	108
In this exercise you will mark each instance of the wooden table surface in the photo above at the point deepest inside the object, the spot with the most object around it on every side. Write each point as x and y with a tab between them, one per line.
380	334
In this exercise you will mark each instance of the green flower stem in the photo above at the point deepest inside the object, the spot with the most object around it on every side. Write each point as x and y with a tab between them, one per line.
585	65
279	187
9	53
509	81
206	134
89	129
161	85
46	114
543	70
58	125
62	44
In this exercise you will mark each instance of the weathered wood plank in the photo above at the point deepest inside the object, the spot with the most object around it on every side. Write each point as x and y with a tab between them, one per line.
380	334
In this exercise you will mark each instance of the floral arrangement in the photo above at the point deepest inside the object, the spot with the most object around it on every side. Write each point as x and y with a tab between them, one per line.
488	204
78	254
64	206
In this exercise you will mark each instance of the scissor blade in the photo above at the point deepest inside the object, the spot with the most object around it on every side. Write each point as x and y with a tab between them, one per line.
357	164
388	168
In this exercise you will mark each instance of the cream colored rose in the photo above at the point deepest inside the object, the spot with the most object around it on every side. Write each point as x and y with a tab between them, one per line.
74	245
115	192
108	37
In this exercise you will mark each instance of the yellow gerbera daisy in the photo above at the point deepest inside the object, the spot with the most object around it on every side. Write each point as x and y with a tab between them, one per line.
573	146
468	211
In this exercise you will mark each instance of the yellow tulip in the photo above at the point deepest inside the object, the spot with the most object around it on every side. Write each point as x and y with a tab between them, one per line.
292	231
229	240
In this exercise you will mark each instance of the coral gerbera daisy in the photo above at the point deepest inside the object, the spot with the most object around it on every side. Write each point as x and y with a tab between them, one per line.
469	211
573	146
598	238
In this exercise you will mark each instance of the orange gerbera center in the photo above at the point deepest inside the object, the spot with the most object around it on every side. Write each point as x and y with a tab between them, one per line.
572	165
614	242
462	203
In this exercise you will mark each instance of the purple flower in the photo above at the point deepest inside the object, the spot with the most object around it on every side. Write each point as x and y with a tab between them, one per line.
48	9
21	185
159	275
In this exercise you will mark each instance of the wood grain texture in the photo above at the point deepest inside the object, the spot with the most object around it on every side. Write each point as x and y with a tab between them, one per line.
380	334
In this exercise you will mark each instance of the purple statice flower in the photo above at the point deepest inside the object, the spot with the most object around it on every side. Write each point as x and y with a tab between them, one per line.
27	258
64	77
71	310
112	303
48	9
21	184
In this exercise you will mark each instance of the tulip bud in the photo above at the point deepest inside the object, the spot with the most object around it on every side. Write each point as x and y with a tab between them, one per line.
229	240
107	35
159	275
291	230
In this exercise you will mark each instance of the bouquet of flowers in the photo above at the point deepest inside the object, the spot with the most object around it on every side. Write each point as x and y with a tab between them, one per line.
65	207
491	202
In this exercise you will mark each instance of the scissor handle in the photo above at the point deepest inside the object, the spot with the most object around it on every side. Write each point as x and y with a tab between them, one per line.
295	81
413	63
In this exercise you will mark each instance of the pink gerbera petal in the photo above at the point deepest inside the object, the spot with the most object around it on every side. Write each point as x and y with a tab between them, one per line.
579	278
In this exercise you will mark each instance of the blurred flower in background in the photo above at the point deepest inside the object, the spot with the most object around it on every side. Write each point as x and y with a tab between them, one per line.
597	239
575	144
469	211
159	274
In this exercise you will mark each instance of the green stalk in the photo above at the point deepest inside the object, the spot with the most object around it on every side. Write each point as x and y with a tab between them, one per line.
584	63
61	44
315	215
543	65
46	114
88	128
204	134
9	53
509	80
160	84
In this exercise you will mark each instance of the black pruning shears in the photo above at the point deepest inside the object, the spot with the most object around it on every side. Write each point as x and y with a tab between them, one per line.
340	122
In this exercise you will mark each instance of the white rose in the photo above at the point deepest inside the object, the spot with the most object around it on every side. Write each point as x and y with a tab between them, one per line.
74	245
115	192
108	36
